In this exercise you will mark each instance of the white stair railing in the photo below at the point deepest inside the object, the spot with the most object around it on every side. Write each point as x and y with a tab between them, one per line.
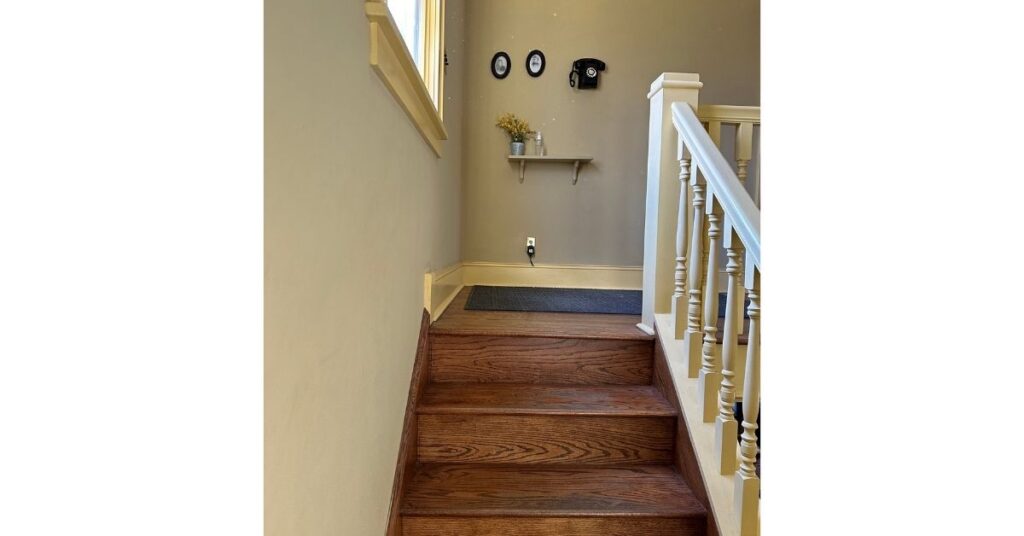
710	208
744	120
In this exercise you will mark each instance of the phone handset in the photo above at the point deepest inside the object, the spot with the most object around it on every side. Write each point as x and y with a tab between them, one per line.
584	73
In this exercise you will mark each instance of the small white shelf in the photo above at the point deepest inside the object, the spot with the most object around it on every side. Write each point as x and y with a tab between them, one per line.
574	160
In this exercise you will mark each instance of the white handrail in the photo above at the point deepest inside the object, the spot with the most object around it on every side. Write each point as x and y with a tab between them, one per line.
740	211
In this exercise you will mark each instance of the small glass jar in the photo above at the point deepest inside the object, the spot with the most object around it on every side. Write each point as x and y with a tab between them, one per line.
538	147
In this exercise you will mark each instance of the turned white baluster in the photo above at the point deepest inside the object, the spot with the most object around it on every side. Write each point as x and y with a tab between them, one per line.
694	329
725	423
748	484
715	131
710	379
757	177
679	298
744	150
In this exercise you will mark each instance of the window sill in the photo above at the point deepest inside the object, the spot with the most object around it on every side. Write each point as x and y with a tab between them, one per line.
392	62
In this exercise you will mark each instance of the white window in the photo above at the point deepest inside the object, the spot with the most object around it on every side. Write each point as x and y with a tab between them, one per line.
421	24
407	53
407	14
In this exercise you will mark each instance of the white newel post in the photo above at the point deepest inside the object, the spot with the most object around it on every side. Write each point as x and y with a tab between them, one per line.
748	484
663	186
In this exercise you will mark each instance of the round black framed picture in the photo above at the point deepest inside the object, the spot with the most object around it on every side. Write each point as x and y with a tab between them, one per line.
535	63
500	65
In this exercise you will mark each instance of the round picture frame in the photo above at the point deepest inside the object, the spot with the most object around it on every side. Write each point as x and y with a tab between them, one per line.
501	64
535	63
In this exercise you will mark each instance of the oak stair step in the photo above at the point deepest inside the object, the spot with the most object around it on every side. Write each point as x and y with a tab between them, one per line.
485	500
542	424
547	360
537	399
545	439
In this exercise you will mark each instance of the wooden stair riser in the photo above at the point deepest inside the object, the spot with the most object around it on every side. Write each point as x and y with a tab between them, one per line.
485	358
552	526
545	439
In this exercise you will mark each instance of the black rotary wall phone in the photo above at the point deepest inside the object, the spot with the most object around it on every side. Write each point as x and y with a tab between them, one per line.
585	72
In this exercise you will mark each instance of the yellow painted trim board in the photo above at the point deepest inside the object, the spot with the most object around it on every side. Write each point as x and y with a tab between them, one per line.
440	288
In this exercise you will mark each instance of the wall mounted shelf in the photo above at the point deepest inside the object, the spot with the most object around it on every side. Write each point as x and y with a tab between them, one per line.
574	160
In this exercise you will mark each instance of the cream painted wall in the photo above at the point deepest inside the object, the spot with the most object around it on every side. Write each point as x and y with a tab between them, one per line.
357	209
600	220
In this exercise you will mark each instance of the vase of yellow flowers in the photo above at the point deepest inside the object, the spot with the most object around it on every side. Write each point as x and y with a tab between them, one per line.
517	130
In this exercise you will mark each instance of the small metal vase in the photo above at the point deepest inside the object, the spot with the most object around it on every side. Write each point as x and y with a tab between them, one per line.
517	148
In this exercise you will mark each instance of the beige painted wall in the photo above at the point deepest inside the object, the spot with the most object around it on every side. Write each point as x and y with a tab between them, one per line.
600	220
357	209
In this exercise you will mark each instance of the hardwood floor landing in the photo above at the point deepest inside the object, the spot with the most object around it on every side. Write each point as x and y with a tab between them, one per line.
457	320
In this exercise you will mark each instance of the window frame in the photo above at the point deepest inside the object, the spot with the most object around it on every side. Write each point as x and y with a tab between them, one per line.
419	89
432	47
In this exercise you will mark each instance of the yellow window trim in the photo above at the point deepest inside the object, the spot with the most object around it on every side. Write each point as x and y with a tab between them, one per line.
391	60
433	52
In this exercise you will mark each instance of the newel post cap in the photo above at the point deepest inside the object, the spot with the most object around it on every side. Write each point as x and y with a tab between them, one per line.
675	81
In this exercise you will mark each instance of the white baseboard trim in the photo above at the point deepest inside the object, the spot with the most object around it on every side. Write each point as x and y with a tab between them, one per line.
552	275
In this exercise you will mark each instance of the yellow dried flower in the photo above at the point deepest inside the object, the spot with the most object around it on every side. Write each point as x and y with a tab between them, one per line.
516	128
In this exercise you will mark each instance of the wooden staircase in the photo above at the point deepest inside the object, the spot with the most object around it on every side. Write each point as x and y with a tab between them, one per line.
541	423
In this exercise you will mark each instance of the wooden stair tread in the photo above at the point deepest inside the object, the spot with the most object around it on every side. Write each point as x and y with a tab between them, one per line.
537	399
550	491
607	440
457	320
540	360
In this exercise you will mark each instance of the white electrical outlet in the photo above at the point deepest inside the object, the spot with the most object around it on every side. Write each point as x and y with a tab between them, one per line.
531	241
